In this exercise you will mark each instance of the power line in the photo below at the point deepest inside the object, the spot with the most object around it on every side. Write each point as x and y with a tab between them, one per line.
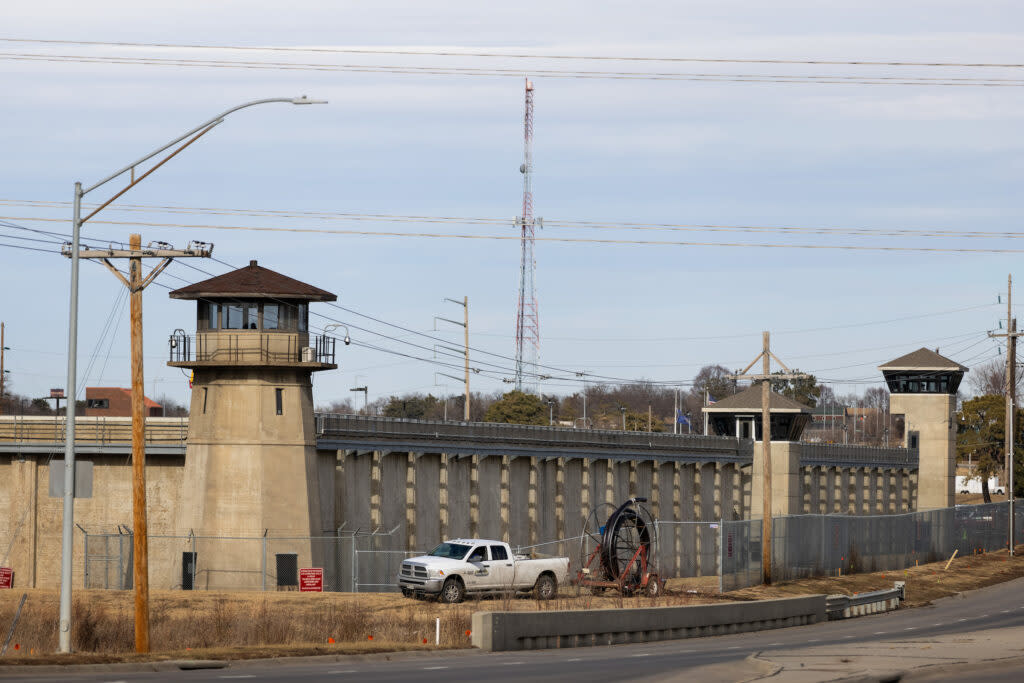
563	240
548	222
512	55
518	73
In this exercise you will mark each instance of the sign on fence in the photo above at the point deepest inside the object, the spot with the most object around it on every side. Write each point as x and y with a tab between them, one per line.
311	580
6	577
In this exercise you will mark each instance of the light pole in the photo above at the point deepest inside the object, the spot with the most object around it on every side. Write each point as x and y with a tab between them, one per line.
551	413
623	409
334	326
67	531
366	392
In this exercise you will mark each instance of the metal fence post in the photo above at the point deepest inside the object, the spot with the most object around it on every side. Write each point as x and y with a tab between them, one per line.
355	567
263	563
721	547
86	550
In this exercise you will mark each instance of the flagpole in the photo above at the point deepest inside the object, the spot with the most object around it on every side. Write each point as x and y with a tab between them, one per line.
705	412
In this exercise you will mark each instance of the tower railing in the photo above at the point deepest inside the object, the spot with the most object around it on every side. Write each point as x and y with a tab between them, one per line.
244	347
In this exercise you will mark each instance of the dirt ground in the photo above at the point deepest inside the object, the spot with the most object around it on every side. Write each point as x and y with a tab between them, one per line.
203	625
977	498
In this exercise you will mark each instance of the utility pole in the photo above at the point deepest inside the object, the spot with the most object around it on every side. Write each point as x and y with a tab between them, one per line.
366	394
1011	400
465	325
766	377
136	283
3	372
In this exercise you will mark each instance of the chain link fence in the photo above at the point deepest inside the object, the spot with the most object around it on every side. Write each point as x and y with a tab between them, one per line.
830	545
802	546
352	561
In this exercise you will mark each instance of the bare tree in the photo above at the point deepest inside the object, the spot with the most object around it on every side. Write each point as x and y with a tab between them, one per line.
990	378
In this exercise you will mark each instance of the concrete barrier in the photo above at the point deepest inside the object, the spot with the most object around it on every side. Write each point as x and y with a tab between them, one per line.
500	631
862	604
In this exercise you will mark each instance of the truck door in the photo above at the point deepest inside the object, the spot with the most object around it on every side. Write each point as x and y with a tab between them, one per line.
480	576
502	568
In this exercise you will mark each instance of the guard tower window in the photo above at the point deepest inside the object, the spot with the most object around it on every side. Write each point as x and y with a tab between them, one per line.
303	317
252	317
234	317
279	400
270	316
212	316
98	403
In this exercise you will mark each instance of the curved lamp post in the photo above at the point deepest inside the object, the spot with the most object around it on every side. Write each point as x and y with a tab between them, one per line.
182	142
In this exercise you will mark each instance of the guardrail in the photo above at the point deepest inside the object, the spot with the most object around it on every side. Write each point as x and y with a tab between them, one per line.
861	604
342	428
832	455
503	631
24	429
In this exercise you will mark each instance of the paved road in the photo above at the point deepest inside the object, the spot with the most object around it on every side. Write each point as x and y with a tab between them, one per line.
991	609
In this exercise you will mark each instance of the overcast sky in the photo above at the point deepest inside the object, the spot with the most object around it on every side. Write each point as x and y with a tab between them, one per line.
808	155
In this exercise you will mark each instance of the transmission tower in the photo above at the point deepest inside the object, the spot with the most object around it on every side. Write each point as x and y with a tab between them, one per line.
527	321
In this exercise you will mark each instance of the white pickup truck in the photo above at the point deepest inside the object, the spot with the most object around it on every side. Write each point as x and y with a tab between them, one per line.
474	565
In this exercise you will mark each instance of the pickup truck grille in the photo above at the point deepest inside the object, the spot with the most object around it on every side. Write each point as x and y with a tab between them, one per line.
414	570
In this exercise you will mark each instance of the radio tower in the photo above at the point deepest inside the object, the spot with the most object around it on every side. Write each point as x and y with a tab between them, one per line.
527	322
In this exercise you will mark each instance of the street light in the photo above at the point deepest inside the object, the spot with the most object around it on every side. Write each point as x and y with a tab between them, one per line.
551	413
366	391
141	585
334	326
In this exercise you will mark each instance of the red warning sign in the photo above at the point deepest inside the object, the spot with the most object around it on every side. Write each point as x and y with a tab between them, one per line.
6	577
311	580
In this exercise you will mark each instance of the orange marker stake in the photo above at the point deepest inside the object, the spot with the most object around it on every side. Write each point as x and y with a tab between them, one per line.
330	640
369	637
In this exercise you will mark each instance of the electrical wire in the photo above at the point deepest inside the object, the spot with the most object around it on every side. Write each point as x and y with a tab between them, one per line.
548	223
518	73
511	55
560	240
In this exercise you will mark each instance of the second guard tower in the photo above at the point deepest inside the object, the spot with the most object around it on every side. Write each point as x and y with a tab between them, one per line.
251	463
922	387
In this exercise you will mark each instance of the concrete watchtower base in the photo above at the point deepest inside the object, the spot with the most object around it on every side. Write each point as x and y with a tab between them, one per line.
249	470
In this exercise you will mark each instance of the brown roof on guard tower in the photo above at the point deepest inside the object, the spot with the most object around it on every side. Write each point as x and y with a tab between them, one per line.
253	282
923	359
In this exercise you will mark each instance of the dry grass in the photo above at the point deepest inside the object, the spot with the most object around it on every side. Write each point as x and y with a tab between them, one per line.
245	625
200	622
925	583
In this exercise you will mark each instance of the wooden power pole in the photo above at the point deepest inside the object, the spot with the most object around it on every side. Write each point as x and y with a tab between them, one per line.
3	372
465	325
766	439
136	283
1011	402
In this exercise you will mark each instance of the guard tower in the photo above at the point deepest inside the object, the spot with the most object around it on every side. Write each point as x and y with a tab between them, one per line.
922	388
251	463
740	416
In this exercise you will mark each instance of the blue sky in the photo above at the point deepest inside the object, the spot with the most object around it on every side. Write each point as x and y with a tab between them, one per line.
808	155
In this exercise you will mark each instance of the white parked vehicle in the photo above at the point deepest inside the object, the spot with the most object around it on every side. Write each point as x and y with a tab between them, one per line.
474	565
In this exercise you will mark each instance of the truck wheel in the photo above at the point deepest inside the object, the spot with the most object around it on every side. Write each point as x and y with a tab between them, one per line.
406	592
452	591
546	587
653	588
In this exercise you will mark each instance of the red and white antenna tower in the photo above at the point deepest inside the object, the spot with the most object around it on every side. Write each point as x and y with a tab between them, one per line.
527	321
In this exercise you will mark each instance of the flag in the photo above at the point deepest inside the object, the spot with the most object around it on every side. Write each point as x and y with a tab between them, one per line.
711	401
682	419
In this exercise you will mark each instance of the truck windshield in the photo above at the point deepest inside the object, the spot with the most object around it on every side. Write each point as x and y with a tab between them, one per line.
452	551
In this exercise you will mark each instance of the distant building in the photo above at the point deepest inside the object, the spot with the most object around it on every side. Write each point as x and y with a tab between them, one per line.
116	402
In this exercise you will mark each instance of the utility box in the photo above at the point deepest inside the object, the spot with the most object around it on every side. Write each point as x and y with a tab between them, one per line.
188	571
287	570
